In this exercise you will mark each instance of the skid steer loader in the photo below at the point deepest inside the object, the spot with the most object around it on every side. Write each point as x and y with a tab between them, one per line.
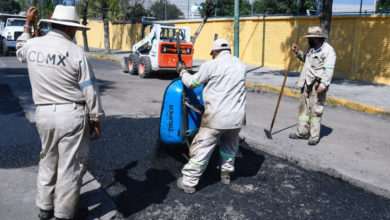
158	50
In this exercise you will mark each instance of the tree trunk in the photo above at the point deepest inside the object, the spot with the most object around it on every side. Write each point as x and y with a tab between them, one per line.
106	28
85	39
326	16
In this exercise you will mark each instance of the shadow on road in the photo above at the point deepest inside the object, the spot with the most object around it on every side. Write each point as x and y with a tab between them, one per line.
8	102
153	190
247	164
166	75
325	131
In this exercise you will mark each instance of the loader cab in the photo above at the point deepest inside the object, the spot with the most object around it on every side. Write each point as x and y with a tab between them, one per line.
148	25
170	35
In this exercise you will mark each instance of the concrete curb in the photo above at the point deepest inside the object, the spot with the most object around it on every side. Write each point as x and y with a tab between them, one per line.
330	99
293	93
104	57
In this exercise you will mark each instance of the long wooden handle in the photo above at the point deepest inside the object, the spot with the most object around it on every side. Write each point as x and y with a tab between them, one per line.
281	91
36	31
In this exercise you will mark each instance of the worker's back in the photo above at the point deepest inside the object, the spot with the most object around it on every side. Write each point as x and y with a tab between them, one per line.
54	64
224	94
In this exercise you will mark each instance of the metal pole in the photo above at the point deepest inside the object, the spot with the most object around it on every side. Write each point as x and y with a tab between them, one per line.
253	2
236	28
298	6
188	9
165	10
361	5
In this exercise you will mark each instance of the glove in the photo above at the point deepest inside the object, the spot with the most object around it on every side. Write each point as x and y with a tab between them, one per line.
180	66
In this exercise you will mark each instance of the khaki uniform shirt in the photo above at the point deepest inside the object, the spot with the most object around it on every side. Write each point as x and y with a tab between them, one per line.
59	72
224	93
319	65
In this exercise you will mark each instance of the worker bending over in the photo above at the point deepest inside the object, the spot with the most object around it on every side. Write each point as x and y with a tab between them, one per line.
224	97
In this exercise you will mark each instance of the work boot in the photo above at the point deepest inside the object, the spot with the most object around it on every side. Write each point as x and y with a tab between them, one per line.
45	214
313	141
295	136
186	189
225	177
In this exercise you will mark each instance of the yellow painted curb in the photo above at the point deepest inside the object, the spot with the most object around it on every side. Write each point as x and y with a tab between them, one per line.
104	57
330	99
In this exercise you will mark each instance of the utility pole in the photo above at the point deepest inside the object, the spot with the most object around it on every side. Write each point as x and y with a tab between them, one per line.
361	6
253	2
236	28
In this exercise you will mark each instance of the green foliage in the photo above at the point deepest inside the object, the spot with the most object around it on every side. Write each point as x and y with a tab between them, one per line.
383	6
9	6
48	9
45	7
225	8
81	6
281	6
105	9
158	10
23	4
135	13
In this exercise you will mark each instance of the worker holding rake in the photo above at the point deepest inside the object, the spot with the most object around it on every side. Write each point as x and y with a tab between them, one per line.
314	82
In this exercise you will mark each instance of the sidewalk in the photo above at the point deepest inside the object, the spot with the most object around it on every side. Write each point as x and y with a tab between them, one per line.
352	94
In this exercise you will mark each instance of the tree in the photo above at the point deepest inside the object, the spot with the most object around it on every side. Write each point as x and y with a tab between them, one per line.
172	11
9	6
383	6
325	17
45	7
225	8
282	7
82	9
24	4
107	10
135	12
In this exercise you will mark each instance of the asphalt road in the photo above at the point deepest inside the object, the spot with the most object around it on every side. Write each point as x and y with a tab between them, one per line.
141	177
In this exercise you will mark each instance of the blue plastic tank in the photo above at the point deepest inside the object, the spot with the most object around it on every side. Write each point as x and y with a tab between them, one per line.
174	124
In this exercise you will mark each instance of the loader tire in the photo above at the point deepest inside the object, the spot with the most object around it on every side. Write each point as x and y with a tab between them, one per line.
5	48
1	46
144	67
133	63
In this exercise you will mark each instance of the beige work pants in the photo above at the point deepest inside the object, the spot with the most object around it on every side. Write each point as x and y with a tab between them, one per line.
64	133
311	108
202	148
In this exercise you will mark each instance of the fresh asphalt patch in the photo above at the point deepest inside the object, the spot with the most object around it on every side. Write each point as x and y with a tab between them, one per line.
141	177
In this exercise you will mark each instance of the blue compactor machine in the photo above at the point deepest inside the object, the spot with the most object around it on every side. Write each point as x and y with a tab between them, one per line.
181	114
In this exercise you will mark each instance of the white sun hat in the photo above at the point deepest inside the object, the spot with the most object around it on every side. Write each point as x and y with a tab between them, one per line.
66	15
314	31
